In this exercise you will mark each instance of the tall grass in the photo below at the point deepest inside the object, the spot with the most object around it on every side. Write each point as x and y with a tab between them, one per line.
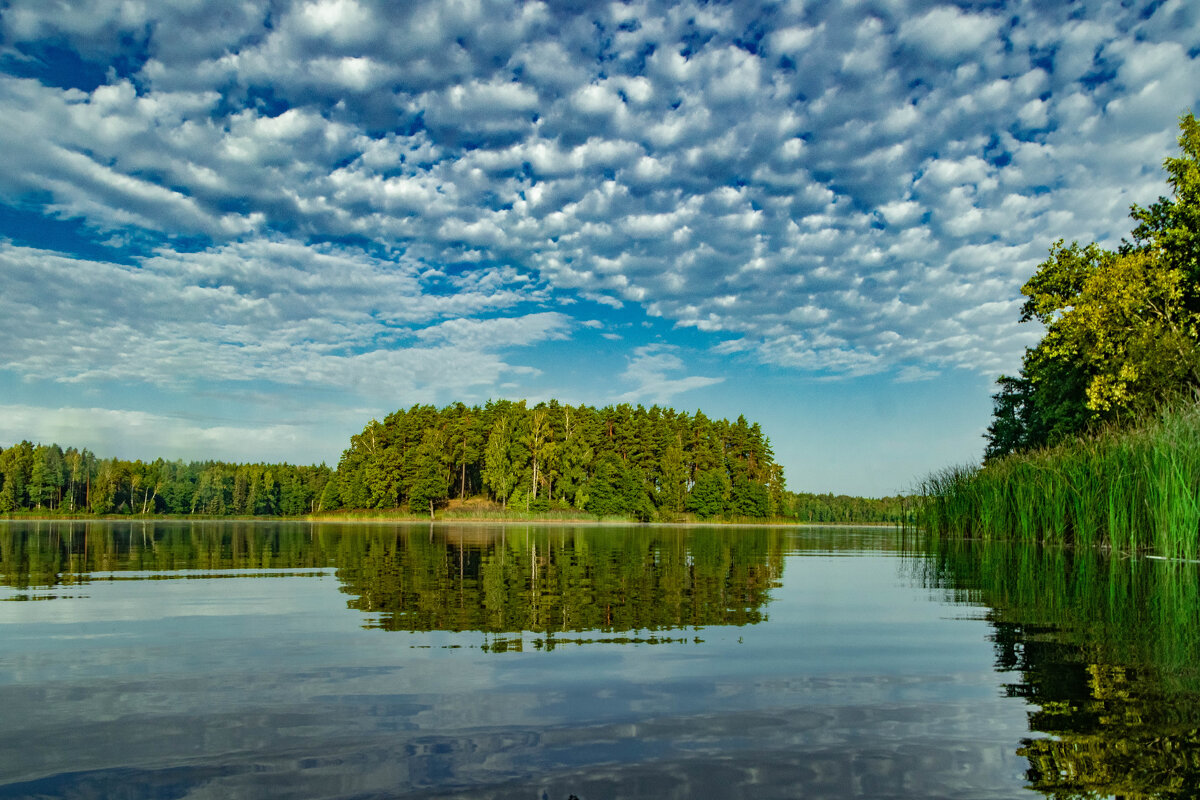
1131	489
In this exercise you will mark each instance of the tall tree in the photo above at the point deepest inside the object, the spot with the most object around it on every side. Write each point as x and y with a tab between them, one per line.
46	476
500	472
429	488
16	463
540	445
575	457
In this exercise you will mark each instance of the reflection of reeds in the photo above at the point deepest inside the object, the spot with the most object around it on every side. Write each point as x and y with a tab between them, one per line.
1104	649
1131	489
1136	612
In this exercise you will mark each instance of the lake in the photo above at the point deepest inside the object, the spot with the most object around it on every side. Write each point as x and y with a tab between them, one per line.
242	659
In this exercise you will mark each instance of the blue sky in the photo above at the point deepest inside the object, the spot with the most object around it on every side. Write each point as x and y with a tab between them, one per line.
239	230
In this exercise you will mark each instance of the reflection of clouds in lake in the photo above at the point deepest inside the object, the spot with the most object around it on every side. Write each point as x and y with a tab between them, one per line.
447	745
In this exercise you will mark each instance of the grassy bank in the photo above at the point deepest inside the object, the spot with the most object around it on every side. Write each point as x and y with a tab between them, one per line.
1133	489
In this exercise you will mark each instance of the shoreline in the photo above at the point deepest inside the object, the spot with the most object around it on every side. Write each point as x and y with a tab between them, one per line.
452	521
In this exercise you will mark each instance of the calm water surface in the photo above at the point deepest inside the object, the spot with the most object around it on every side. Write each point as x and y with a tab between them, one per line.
199	660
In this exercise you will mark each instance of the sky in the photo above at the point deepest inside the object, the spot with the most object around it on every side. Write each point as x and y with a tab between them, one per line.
239	230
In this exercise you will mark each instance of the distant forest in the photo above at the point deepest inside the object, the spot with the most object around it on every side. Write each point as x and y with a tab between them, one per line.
616	461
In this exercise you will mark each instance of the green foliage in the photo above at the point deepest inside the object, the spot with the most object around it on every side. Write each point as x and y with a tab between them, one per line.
500	469
48	478
708	495
619	461
1172	225
747	498
807	507
1122	328
16	469
605	488
575	458
429	487
1132	488
622	460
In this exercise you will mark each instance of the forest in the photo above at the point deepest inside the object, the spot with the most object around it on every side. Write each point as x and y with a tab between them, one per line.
515	459
49	478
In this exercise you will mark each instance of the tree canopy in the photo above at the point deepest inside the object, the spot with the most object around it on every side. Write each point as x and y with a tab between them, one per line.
1122	327
620	460
48	478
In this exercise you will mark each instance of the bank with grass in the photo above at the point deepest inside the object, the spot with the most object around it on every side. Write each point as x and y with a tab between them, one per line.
1132	489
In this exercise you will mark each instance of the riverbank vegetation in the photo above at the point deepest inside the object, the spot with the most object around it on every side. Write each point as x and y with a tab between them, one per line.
1097	440
1131	489
1122	328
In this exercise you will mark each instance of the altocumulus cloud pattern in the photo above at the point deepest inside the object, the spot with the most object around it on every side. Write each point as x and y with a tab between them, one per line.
355	194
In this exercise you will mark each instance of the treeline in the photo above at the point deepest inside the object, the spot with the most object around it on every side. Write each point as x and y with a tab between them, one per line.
46	477
806	507
621	460
617	461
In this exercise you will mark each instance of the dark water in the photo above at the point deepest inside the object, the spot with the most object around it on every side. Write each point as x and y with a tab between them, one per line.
359	661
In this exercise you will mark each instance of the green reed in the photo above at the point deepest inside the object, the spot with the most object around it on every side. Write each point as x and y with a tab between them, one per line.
1131	489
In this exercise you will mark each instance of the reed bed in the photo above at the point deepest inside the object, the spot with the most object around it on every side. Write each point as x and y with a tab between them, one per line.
1134	489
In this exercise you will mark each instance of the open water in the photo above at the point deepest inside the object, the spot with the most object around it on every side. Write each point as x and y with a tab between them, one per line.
248	659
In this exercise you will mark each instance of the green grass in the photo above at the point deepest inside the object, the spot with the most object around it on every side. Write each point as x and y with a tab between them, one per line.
1133	489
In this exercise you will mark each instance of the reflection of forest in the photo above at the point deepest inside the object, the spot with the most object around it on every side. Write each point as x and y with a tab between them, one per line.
545	580
455	578
1106	650
45	554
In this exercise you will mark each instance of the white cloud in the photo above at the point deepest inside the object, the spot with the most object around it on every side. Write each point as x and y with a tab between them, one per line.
946	32
136	434
816	196
274	311
911	374
484	334
650	369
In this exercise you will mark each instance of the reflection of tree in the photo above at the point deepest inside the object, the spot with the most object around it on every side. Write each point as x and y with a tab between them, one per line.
44	554
1106	651
496	580
546	580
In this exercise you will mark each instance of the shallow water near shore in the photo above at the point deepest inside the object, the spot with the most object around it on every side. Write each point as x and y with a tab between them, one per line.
290	659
